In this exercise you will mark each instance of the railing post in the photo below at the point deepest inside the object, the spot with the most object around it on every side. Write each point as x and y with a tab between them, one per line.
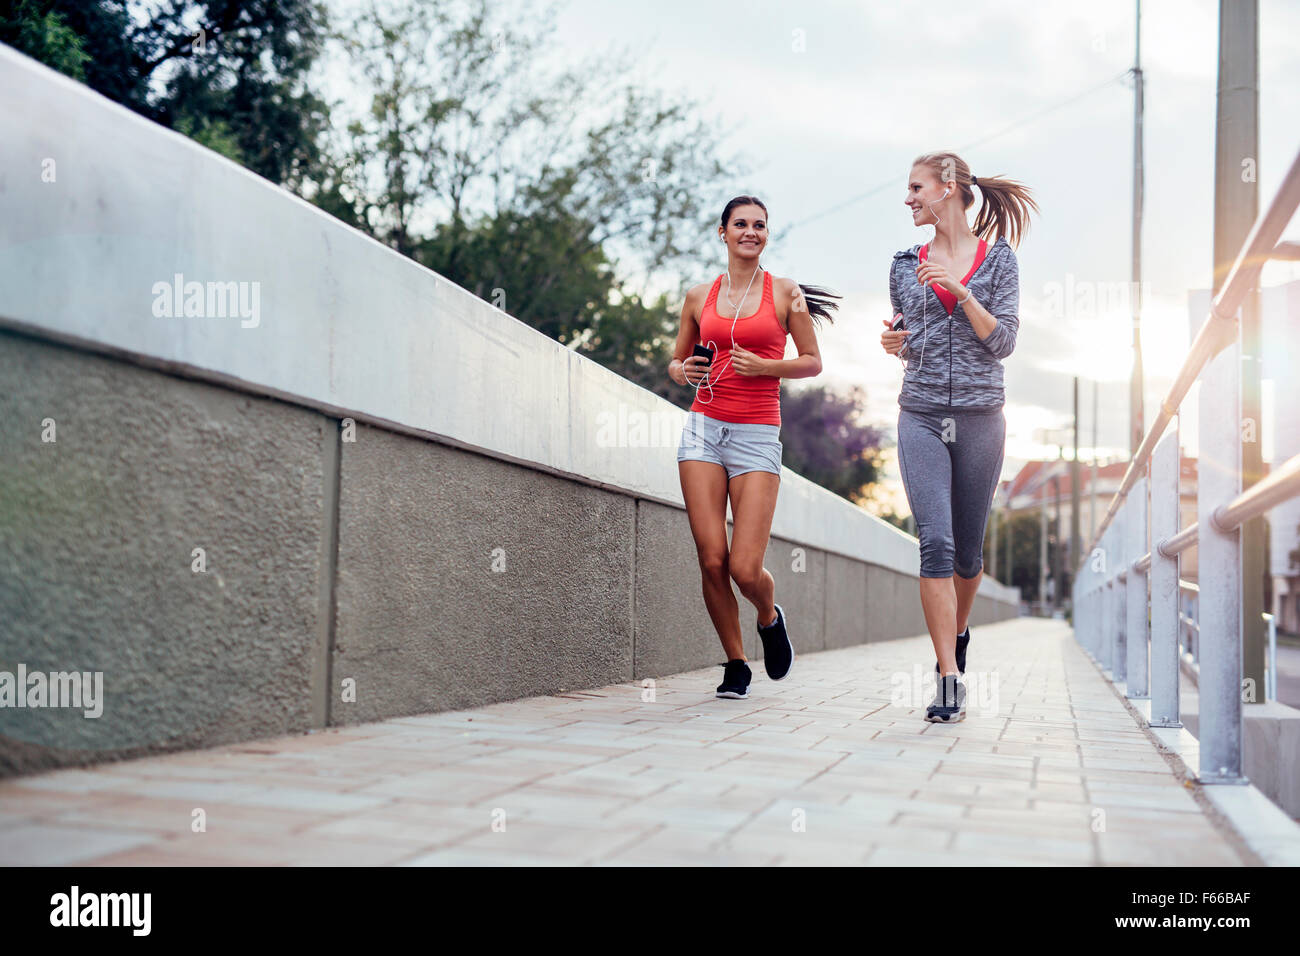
1094	597
1270	690
1094	617
1119	648
1105	619
1164	583
1135	531
1075	609
1219	569
1094	613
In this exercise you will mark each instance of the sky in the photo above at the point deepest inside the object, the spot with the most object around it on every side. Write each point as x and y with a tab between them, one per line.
825	101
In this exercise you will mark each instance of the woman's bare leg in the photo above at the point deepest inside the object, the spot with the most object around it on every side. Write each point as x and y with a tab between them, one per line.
704	489
753	503
966	589
939	603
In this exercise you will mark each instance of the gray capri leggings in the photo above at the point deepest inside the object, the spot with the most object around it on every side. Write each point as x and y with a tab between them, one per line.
951	462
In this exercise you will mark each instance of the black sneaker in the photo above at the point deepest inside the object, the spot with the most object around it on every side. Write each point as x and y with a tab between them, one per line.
949	703
962	640
778	652
735	680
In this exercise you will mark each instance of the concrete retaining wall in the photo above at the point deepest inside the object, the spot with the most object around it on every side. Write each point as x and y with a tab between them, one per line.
396	486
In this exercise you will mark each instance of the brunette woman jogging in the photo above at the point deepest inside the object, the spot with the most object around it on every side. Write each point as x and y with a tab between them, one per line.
731	445
958	297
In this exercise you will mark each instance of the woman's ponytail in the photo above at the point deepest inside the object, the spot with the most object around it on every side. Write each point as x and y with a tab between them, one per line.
820	302
1004	213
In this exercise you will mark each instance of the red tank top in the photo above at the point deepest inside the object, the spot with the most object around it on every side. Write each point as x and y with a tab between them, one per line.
741	399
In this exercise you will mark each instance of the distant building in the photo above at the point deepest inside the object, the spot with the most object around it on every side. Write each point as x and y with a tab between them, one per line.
1041	484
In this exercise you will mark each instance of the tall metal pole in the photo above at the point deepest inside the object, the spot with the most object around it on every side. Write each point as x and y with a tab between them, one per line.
1221	599
1137	415
1236	207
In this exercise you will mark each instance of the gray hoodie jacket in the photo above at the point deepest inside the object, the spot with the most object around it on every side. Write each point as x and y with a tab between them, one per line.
948	365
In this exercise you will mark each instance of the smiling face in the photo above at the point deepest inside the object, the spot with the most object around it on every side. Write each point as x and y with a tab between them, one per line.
746	232
923	188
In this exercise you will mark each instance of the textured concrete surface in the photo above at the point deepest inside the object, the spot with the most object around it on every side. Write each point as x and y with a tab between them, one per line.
831	766
800	576
97	531
845	594
673	630
464	580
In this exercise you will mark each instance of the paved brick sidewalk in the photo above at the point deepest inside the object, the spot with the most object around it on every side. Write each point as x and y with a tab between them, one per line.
832	766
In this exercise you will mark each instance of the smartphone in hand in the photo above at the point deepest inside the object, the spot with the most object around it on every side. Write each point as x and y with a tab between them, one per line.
898	323
701	351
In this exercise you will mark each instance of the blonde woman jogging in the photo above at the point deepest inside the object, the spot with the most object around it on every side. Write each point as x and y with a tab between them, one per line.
956	303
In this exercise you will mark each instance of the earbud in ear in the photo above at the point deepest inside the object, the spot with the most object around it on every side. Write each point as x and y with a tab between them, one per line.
946	192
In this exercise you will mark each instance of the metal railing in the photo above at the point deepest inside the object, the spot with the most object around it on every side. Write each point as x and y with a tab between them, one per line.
1189	631
1133	560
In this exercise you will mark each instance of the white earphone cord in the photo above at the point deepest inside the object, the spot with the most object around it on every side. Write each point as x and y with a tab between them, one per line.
925	301
735	309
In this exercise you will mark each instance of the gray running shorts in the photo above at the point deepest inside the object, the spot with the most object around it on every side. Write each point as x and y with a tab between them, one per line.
737	447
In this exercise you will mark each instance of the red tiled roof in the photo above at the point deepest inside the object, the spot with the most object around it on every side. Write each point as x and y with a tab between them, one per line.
1035	478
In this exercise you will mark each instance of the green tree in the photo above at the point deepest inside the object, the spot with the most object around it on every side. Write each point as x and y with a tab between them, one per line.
230	73
43	34
474	131
1026	533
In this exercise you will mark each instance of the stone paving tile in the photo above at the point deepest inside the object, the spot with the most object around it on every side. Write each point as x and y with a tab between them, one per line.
824	769
1065	852
176	817
282	850
562	844
79	781
901	856
40	844
1119	849
601	782
16	798
404	826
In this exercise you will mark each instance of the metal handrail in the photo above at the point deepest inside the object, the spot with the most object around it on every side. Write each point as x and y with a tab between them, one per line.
1179	542
1217	332
1281	484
